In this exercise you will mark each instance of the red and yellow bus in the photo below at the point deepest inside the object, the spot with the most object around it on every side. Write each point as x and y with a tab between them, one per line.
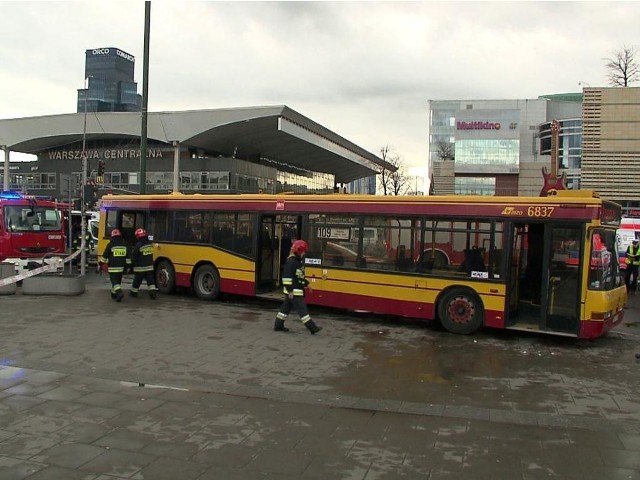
544	264
30	229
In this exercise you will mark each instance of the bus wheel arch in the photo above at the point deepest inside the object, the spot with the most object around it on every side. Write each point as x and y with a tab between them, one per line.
206	281
165	276
460	310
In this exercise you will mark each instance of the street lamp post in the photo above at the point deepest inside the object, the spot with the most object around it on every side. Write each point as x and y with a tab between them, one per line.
83	219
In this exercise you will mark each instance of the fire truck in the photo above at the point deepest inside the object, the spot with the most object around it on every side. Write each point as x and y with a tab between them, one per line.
32	230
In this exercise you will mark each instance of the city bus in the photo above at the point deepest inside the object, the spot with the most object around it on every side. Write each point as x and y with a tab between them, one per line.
31	229
541	264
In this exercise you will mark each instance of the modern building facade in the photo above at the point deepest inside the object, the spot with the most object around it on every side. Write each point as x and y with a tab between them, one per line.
244	150
611	144
110	84
498	147
493	147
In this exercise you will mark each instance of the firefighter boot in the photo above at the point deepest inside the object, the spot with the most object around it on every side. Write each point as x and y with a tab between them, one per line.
152	294
119	296
133	294
279	326
313	328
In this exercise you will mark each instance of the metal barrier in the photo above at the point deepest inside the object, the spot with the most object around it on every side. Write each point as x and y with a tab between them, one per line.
44	268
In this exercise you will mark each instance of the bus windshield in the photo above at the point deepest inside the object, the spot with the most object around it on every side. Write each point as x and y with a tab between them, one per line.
604	272
29	219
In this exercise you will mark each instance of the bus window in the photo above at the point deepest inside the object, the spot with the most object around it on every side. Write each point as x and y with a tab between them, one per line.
158	225
334	229
234	232
604	272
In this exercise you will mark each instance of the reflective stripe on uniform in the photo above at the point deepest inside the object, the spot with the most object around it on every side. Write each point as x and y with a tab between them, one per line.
143	269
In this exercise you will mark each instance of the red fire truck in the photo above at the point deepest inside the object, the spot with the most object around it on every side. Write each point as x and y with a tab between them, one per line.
31	230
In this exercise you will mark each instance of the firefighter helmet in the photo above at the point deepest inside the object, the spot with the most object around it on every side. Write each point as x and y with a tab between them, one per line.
140	233
300	247
115	233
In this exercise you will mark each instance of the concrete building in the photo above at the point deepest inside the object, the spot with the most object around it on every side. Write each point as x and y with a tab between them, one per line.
611	144
493	147
242	150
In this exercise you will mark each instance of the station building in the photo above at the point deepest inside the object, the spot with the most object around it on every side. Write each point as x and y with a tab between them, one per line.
267	149
242	150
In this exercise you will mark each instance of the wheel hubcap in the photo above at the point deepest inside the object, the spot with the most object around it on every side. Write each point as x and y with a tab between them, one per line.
461	310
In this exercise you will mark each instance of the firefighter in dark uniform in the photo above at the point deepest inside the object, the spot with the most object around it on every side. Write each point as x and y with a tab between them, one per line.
294	283
142	262
116	257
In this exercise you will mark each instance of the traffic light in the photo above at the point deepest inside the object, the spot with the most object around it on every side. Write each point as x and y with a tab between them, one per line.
90	195
100	168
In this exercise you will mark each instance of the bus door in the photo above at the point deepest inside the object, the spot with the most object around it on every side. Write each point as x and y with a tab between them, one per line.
544	276
266	275
127	221
565	245
277	234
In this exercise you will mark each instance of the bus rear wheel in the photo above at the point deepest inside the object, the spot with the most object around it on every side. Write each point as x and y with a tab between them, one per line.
165	277
206	282
461	311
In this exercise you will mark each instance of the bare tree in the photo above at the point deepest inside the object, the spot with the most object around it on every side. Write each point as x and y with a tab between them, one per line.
393	181
444	150
622	67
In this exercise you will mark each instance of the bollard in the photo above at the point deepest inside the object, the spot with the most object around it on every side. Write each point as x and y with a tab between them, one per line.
7	270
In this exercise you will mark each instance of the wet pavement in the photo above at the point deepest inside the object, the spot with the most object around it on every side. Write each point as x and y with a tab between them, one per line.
178	388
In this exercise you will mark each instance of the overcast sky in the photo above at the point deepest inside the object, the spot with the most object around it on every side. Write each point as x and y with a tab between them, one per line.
362	69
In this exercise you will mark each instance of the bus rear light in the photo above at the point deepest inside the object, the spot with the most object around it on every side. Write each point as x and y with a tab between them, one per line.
600	315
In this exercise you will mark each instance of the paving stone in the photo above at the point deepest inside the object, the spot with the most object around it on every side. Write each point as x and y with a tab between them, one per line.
68	455
412	402
118	463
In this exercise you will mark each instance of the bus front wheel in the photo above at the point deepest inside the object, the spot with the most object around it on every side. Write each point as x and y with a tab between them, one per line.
206	282
165	277
461	311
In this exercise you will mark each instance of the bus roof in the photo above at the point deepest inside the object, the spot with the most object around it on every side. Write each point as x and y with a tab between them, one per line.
582	205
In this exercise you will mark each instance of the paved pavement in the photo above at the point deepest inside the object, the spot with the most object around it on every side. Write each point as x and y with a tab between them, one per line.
178	388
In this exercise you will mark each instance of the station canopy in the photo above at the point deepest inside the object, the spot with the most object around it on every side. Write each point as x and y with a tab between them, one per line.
275	132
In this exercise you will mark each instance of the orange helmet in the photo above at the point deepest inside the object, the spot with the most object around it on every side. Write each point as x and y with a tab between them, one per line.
141	232
115	233
300	247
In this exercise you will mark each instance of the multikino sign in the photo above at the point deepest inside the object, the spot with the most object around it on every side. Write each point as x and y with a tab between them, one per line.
478	125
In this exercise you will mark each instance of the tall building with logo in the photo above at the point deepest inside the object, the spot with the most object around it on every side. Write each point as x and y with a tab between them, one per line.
495	147
110	84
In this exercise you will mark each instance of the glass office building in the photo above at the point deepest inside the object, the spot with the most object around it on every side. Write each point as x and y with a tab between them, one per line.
499	147
110	85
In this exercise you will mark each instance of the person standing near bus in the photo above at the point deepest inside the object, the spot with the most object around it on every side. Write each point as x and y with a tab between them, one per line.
633	262
116	256
142	262
294	283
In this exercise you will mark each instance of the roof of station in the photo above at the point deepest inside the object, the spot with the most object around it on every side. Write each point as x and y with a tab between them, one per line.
276	132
